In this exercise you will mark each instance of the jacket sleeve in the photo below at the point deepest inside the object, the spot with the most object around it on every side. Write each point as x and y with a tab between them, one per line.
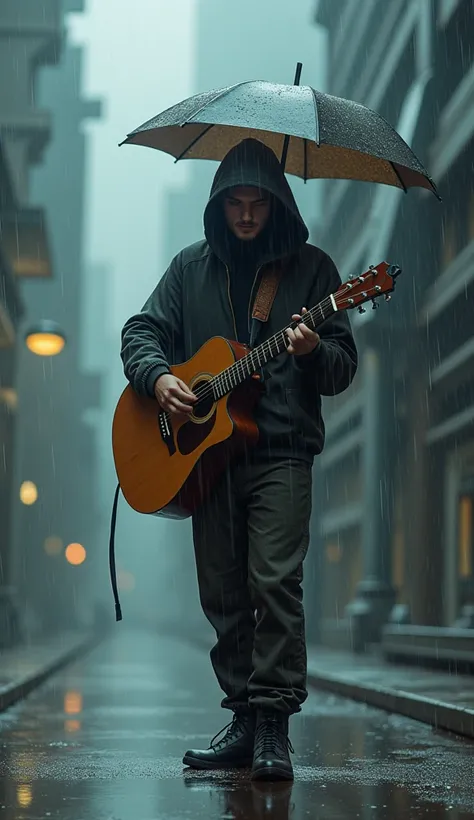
149	338
333	363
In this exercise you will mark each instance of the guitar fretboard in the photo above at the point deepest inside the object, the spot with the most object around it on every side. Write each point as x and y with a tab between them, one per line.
242	369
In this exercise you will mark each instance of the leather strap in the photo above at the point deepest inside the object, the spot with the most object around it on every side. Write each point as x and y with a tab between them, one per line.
267	292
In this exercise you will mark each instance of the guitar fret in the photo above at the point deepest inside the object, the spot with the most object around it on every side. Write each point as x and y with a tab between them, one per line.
234	375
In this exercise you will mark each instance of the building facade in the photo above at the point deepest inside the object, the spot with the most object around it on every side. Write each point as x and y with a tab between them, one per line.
393	524
30	37
54	446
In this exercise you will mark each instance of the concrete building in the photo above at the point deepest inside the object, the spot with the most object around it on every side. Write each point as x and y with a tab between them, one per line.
42	239
63	461
30	37
394	523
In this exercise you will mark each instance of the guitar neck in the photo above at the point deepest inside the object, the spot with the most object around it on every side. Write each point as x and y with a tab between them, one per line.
242	369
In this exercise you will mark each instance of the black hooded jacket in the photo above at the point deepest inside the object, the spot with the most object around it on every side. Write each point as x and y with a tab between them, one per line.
195	301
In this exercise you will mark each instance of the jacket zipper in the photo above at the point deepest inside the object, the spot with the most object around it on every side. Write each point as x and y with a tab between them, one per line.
230	303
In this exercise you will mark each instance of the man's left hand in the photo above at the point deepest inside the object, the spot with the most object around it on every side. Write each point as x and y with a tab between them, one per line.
302	339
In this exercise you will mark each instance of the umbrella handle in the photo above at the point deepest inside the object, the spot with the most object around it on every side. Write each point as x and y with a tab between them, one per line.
299	68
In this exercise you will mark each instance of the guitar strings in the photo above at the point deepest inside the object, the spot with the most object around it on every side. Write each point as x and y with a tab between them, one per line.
238	366
207	391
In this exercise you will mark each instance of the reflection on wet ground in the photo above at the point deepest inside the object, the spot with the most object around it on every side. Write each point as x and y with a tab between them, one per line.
104	741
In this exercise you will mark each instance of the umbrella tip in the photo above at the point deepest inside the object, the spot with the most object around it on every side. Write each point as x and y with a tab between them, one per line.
299	69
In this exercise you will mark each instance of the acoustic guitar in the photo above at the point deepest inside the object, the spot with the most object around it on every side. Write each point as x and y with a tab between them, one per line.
166	464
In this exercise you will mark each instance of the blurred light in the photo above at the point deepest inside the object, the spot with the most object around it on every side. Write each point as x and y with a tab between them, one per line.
72	703
45	338
125	581
24	795
72	725
28	493
53	545
75	554
333	553
9	397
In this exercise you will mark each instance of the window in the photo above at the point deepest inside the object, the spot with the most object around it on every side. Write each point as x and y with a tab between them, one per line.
465	556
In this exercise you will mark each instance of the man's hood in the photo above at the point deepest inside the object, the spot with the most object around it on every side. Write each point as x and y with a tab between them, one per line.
251	163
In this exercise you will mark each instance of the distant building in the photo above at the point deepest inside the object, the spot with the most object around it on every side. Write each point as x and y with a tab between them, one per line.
270	44
394	521
55	446
30	37
265	57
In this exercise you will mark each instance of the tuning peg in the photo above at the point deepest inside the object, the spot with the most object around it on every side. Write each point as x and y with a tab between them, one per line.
387	297
361	309
374	304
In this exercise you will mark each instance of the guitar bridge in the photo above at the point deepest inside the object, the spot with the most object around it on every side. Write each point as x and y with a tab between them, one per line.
166	431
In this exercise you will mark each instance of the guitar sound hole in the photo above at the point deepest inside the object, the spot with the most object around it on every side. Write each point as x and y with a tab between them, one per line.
204	406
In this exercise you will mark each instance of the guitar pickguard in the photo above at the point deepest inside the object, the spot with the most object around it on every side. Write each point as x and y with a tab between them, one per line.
191	435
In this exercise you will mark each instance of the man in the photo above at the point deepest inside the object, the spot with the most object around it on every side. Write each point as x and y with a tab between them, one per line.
252	533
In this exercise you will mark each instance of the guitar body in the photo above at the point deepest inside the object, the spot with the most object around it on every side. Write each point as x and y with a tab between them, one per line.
170	472
167	466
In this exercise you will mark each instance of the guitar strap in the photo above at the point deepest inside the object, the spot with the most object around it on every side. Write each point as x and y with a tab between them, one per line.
264	300
267	292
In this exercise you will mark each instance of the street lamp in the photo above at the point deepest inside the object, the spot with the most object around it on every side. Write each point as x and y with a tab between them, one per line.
45	338
28	493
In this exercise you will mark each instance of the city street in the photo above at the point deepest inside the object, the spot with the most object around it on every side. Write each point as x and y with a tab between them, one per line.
104	740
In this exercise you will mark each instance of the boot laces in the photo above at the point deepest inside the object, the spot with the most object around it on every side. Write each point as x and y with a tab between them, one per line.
236	726
271	738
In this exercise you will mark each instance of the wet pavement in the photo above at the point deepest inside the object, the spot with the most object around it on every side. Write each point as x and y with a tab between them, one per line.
103	740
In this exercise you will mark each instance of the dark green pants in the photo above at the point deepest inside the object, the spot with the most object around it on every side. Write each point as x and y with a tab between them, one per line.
250	540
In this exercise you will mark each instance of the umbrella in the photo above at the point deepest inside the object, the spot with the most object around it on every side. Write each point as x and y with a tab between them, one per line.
317	135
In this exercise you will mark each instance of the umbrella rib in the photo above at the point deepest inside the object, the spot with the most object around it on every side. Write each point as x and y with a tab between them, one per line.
194	142
316	117
399	177
220	94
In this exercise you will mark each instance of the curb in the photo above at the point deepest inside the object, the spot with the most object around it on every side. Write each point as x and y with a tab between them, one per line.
439	714
19	690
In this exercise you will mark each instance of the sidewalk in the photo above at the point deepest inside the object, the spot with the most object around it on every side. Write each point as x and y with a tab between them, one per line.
27	667
441	699
438	698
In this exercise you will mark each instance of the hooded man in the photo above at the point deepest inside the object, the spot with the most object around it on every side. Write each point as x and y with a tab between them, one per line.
252	533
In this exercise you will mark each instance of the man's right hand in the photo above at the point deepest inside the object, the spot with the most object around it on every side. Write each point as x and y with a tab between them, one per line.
173	395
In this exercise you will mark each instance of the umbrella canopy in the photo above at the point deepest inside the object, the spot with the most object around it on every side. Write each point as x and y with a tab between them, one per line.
330	137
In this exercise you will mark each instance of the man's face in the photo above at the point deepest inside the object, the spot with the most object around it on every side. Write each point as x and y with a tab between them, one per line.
246	211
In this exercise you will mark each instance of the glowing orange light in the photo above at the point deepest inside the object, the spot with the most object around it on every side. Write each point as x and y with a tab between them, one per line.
24	794
72	725
75	554
72	703
45	344
28	493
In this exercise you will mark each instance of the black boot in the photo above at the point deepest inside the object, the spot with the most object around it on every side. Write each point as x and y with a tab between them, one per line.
235	750
271	759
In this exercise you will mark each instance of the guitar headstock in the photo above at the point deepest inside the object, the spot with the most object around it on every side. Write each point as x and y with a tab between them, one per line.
378	281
